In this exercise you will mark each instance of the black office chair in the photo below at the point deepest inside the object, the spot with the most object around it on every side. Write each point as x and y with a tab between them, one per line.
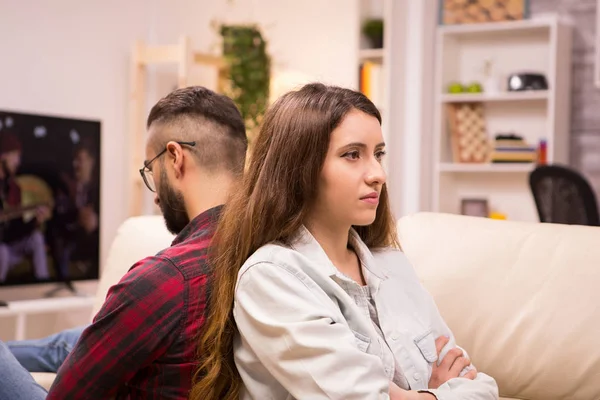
563	196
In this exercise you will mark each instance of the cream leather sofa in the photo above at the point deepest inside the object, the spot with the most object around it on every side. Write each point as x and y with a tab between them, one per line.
523	299
136	238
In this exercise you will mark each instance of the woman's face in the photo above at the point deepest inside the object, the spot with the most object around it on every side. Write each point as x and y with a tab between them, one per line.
352	174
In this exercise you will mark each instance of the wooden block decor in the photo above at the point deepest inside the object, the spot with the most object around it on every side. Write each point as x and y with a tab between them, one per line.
474	11
468	136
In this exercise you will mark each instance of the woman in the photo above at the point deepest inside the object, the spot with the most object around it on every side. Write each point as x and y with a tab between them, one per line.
307	265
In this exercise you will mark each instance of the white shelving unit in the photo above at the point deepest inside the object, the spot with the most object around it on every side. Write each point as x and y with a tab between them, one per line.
406	59
483	97
484	168
537	45
390	99
378	56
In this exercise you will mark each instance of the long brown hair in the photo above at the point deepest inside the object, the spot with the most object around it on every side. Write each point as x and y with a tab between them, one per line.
270	205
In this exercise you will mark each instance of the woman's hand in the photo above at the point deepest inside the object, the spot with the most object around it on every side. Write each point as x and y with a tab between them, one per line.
450	367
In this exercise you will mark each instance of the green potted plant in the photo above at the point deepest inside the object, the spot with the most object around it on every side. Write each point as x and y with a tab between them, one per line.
249	71
373	31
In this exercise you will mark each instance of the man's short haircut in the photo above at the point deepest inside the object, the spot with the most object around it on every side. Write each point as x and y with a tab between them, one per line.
210	119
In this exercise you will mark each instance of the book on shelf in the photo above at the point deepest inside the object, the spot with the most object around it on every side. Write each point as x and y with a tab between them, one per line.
512	149
371	81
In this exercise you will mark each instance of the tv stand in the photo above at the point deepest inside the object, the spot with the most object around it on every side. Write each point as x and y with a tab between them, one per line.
68	286
22	309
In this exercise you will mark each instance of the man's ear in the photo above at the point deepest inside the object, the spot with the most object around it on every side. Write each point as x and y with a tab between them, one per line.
175	157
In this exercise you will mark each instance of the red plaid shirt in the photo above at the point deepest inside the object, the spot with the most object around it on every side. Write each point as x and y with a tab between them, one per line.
142	343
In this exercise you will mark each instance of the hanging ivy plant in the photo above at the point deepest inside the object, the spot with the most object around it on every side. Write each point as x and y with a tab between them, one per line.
249	70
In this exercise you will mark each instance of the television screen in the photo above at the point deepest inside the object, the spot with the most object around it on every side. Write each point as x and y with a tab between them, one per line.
49	199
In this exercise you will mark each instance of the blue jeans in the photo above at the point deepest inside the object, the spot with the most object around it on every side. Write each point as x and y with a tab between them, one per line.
46	354
33	245
17	382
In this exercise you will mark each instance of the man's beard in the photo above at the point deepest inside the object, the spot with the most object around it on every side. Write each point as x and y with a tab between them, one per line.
172	206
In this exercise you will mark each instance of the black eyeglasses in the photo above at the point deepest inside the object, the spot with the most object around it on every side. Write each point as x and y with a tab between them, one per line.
146	172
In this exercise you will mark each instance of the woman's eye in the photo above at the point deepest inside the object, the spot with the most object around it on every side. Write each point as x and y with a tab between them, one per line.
380	154
352	155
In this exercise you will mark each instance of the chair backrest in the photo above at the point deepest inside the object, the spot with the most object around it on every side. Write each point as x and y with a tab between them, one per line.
563	196
137	238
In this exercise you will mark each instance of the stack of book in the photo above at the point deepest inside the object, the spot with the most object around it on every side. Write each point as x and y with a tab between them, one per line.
371	81
510	148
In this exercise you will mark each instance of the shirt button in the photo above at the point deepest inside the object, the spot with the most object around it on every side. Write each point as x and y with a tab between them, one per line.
417	376
395	335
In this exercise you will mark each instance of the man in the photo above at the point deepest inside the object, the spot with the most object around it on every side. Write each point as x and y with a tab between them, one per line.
74	230
18	238
142	343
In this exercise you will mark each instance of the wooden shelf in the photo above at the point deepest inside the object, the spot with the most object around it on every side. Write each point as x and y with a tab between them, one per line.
511	27
371	54
486	168
143	56
504	96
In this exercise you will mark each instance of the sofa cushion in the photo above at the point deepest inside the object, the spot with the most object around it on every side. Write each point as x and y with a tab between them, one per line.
44	379
521	298
136	238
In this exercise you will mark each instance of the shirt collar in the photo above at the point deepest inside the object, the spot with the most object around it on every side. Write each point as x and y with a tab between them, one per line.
203	222
366	256
306	244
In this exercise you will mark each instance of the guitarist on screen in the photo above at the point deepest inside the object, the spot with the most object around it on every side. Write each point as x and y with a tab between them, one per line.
74	233
18	239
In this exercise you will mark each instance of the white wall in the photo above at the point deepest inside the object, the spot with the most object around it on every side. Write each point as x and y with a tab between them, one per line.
316	39
71	58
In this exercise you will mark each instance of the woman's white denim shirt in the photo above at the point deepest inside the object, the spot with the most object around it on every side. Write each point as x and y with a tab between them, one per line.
302	335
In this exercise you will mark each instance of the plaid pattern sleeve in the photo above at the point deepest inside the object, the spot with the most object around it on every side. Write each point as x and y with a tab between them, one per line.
139	320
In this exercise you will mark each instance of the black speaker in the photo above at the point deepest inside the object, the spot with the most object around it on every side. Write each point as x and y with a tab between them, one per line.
527	81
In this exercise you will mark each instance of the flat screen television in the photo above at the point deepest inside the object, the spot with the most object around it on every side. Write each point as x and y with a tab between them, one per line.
49	199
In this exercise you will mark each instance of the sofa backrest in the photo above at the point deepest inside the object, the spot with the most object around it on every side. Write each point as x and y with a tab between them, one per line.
136	238
522	298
